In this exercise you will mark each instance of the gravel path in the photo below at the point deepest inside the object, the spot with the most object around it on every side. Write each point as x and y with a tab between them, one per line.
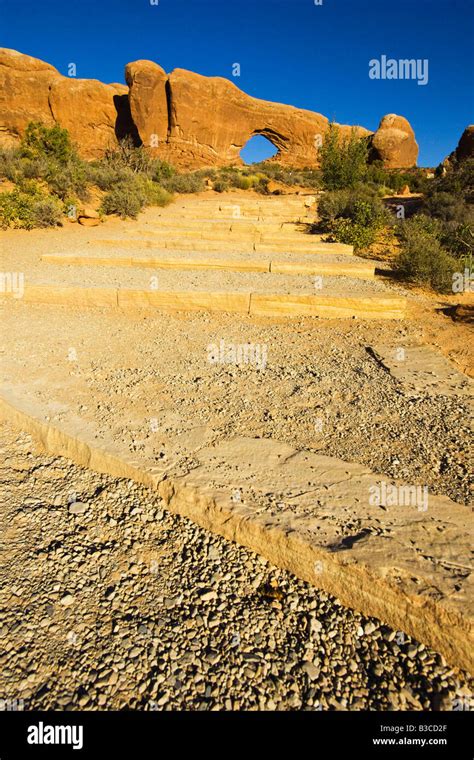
110	602
148	380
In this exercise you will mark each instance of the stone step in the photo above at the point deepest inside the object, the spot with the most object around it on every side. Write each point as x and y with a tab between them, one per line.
237	213
165	224
254	304
231	234
399	570
362	270
204	245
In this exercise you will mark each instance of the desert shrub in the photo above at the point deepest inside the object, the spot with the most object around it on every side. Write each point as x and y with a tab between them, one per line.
458	238
48	153
354	216
394	180
130	196
193	182
361	226
125	199
291	176
332	204
221	185
155	195
449	203
353	233
448	207
71	179
343	161
40	141
47	212
457	179
26	210
241	181
126	155
105	176
125	161
161	171
422	258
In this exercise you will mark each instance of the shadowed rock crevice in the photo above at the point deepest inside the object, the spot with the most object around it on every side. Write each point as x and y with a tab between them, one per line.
124	125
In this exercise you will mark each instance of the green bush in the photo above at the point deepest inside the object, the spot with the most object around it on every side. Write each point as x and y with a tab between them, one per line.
361	236
132	177
71	179
291	176
27	210
332	204
40	141
130	196
343	161
221	185
448	207
105	176
126	199
353	216
422	258
185	183
394	180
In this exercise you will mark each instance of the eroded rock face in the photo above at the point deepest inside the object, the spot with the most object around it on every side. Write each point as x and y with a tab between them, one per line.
31	90
24	93
95	102
210	121
465	147
191	120
148	101
394	143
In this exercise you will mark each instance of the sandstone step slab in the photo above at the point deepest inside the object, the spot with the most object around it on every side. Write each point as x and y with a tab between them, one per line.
232	234
364	271
351	269
255	304
249	215
163	224
420	371
304	247
299	510
157	262
205	245
328	307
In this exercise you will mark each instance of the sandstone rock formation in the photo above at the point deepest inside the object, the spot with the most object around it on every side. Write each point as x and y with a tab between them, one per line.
191	120
24	93
31	90
465	148
148	101
211	120
394	143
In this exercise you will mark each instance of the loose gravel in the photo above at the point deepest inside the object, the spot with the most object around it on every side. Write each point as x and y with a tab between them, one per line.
110	602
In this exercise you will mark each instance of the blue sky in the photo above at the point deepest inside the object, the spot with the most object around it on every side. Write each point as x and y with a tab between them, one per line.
289	51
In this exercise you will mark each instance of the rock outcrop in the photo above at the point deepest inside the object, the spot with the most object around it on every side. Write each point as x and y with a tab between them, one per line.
465	148
30	90
191	120
211	120
148	101
394	143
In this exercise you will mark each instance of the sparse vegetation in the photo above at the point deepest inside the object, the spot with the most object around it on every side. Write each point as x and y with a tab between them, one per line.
28	208
353	216
131	195
422	258
50	177
343	160
439	241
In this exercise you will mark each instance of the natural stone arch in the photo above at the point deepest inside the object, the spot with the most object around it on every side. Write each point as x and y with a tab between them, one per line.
265	144
278	140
